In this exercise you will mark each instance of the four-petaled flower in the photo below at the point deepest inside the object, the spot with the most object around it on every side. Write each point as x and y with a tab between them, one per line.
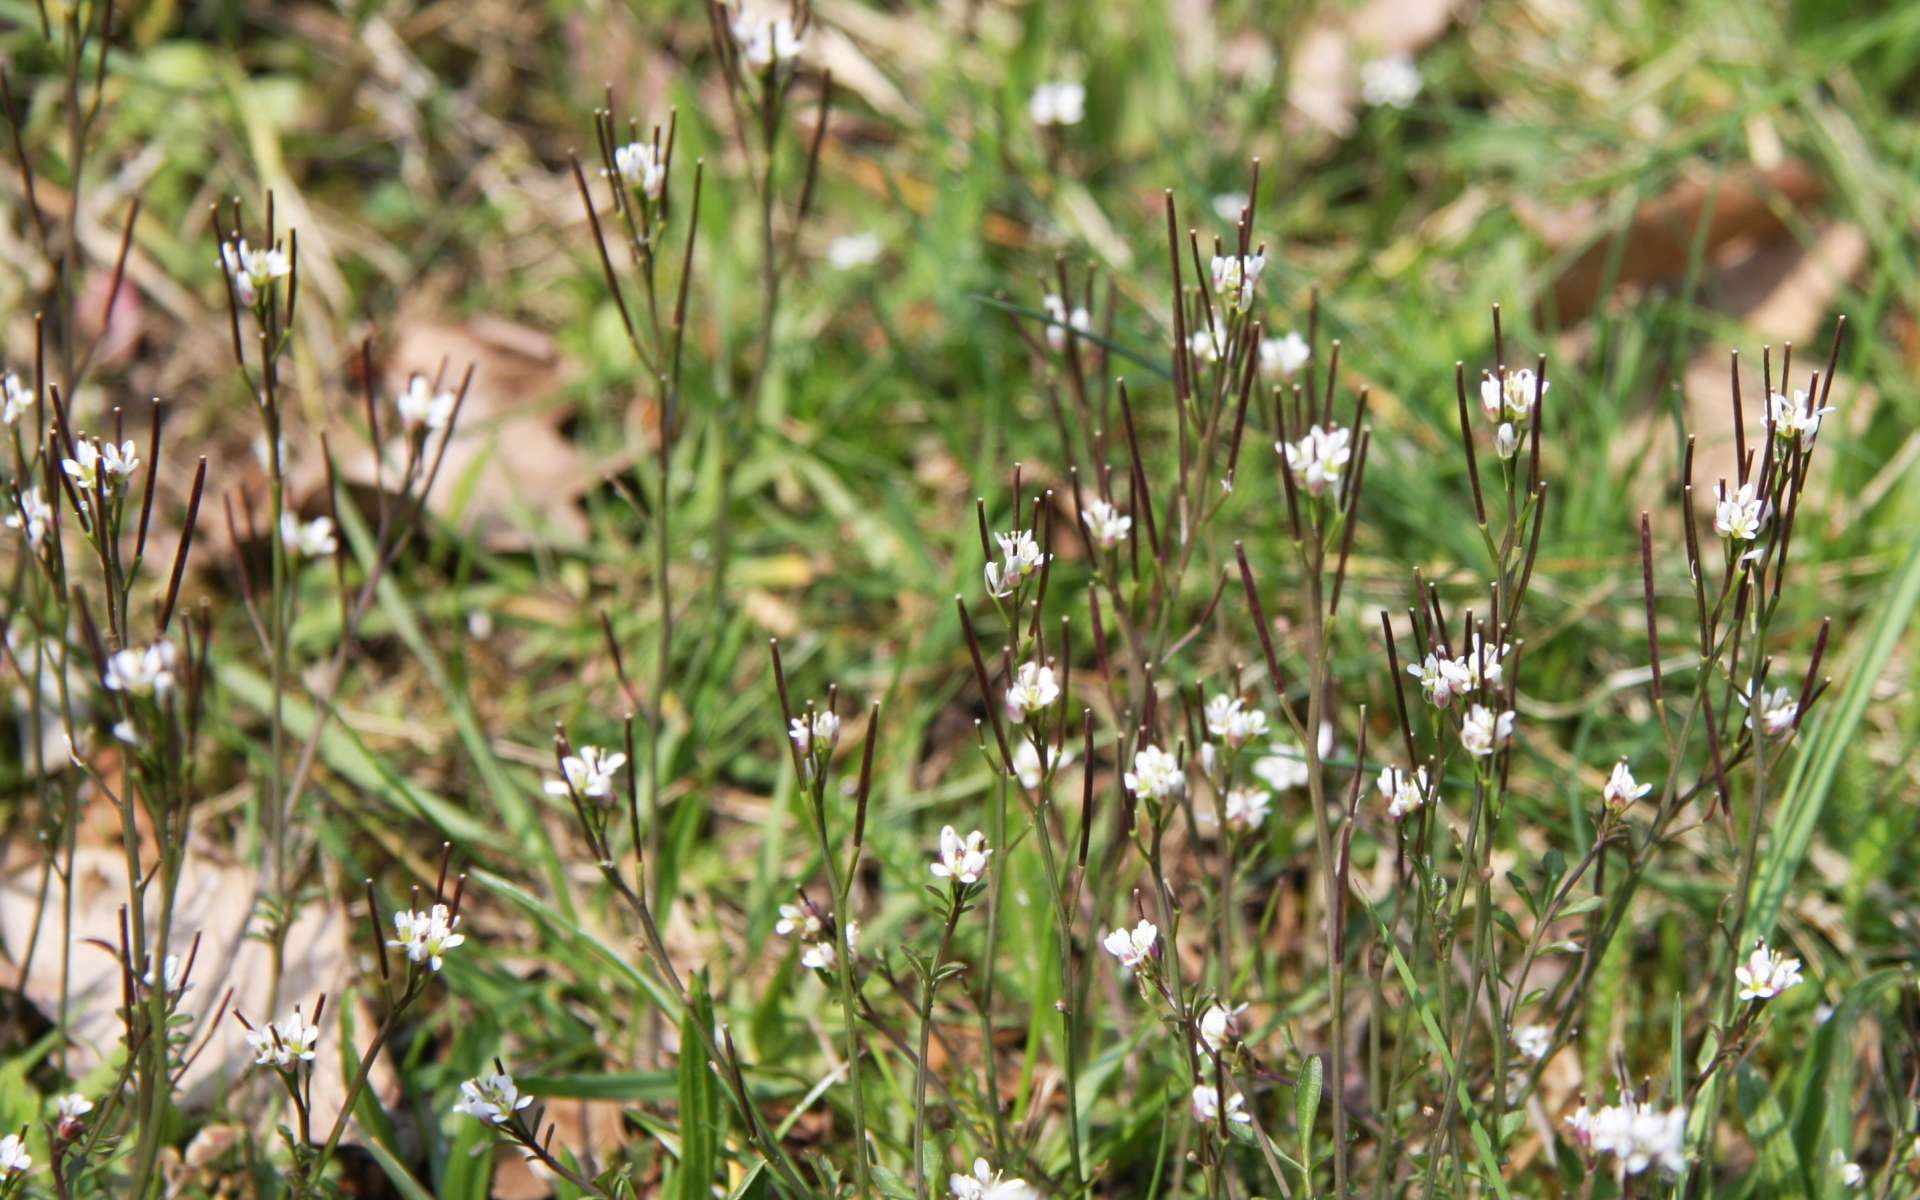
822	731
1105	524
589	772
491	1098
797	919
1739	515
1234	278
1020	557
252	271
1058	103
1766	973
309	539
1511	397
1132	946
964	861
988	1184
426	936
1622	789
1230	720
1034	687
1778	711
100	464
284	1043
643	167
14	1159
1405	791
1247	808
1795	420
1206	1106
1284	356
1483	731
1156	774
142	672
1319	457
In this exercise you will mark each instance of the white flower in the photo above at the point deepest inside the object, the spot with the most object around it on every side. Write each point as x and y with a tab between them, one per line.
72	1106
1234	278
1622	789
795	919
1483	731
14	1159
1405	791
824	955
145	672
1636	1134
1851	1174
1132	946
1766	973
309	539
1155	774
1078	319
590	772
491	1098
1247	808
1437	679
1206	1106
1533	1041
643	167
427	936
1506	441
1220	1026
1105	524
1020	557
824	731
91	459
1288	768
1230	720
851	250
1390	82
15	399
250	271
1466	671
1284	356
988	1184
1034	687
1318	459
34	518
1796	419
965	861
1026	763
1204	346
420	407
1778	710
173	971
766	40
1512	401
1739	515
284	1043
1058	103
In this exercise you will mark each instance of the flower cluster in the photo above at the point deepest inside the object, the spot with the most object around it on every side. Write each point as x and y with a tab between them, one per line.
491	1098
142	672
308	539
589	772
1795	420
1078	320
1638	1135
1232	722
283	1043
1105	524
251	272
1766	973
426	936
1484	731
97	464
1132	946
1247	808
1405	791
1034	687
1284	356
1020	557
1442	678
1319	458
643	168
823	955
1206	1106
1235	276
1156	774
963	861
1740	514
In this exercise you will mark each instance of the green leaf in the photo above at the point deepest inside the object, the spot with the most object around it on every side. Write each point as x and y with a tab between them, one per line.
1306	1107
700	1117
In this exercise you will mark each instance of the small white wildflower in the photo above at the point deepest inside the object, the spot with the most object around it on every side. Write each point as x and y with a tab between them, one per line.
1533	1041
1637	1135
1230	720
1796	419
1318	459
422	408
1205	346
1766	973
1220	1026
1132	946
851	250
72	1106
1078	319
824	955
1288	768
284	1043
308	539
492	1098
1622	789
173	971
589	772
1436	679
427	936
1483	731
795	919
250	271
33	519
643	167
1105	524
1777	710
823	731
962	860
1034	687
1284	356
14	1159
100	463
1511	399
1235	276
988	1184
1020	557
1206	1106
1506	441
766	40
1058	103
1467	671
1247	808
1026	763
1739	515
1390	82
143	672
1155	774
1850	1173
1405	791
15	399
